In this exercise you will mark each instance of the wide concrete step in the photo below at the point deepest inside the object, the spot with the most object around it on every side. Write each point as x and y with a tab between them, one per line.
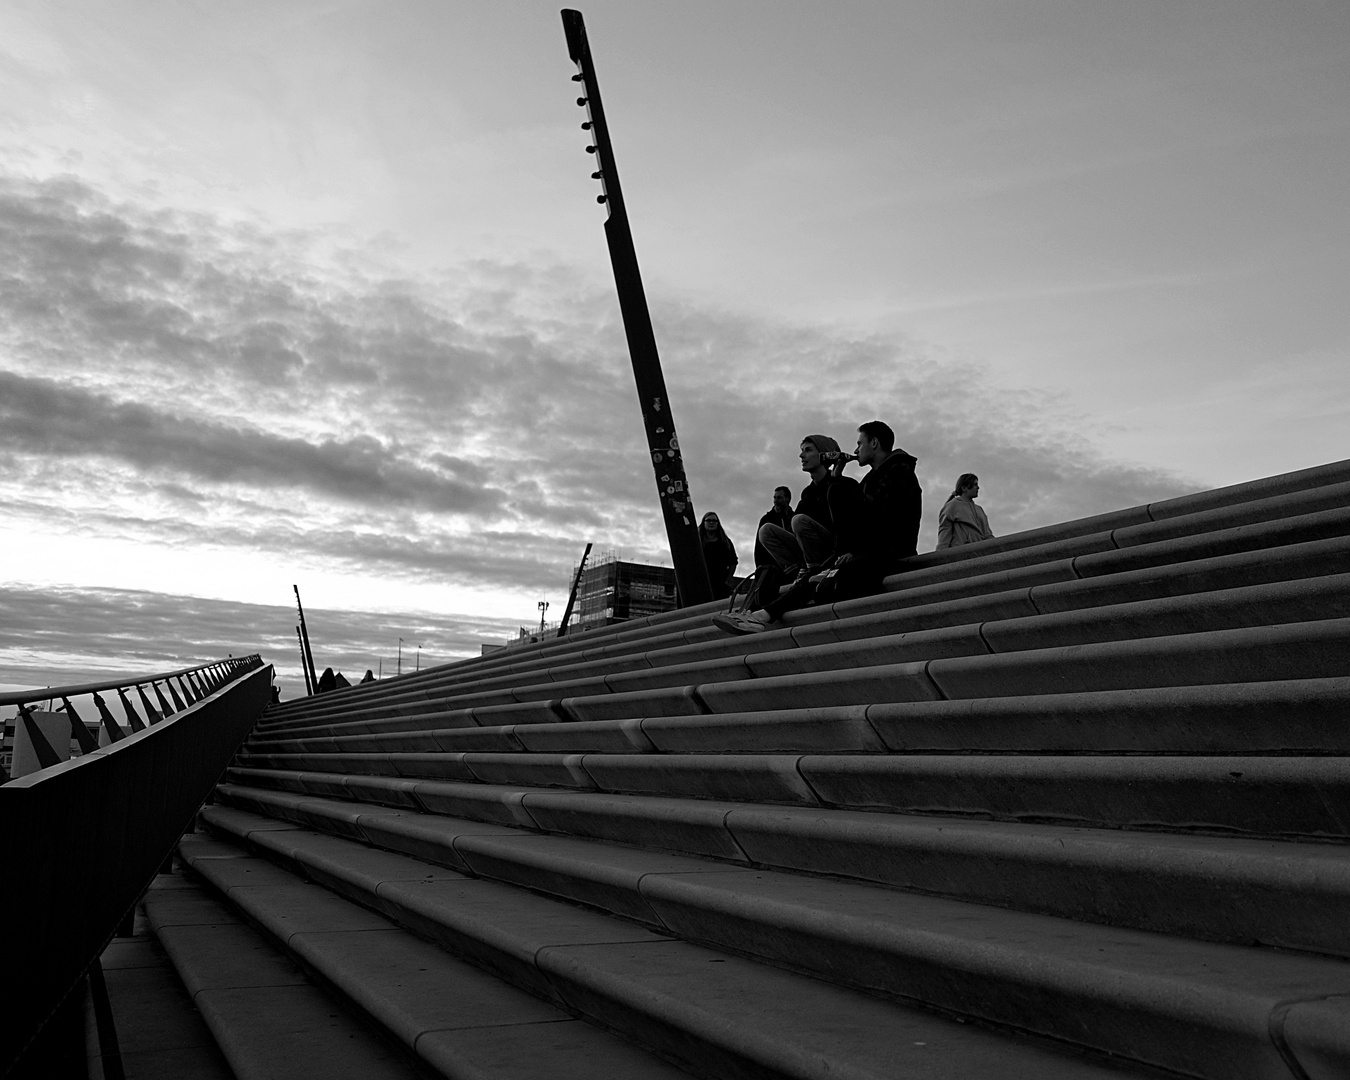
1215	888
1257	795
1314	567
1241	517
1186	507
1257	512
1298	651
1280	716
1130	574
295	998
1188	627
1185	540
1200	1008
1250	654
534	963
1274	717
269	1020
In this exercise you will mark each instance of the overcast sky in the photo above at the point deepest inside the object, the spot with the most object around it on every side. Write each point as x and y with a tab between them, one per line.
318	292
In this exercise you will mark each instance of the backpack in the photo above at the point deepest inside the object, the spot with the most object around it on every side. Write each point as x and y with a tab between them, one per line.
757	590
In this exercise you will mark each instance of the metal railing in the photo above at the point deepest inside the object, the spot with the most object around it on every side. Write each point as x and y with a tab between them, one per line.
81	840
184	687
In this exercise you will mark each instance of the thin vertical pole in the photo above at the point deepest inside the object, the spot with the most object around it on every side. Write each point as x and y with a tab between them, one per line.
663	445
572	596
304	664
304	642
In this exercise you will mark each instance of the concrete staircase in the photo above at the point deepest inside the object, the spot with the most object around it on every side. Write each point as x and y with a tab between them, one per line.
1069	803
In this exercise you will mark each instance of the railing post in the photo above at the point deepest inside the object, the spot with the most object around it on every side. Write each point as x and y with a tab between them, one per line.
133	717
165	709
178	705
109	724
88	744
47	757
152	715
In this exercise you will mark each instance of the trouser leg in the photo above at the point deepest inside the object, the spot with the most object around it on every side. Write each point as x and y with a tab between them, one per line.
781	545
815	540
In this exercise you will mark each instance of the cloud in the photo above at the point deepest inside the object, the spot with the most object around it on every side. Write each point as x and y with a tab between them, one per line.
170	378
55	420
71	635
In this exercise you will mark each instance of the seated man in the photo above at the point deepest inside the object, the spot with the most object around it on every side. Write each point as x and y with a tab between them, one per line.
826	524
780	514
812	537
876	529
892	511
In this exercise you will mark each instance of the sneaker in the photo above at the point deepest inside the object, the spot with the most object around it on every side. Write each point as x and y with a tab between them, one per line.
737	622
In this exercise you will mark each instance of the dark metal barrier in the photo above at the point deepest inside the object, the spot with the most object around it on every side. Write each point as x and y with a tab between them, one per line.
82	840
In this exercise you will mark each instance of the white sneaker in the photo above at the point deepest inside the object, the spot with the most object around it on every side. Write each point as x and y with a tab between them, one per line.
738	622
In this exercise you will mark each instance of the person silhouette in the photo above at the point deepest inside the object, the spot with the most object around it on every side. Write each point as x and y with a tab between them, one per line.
960	521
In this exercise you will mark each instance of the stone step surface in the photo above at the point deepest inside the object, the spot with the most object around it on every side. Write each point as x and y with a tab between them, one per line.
486	951
1219	888
1273	796
1237	590
273	1019
1086	784
269	1021
1203	1008
1286	716
159	1034
1279	531
1319	648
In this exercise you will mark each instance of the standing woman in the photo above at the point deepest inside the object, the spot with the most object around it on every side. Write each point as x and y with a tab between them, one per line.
960	521
719	555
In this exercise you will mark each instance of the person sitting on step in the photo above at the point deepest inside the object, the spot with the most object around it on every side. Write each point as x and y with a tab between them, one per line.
780	514
882	530
826	524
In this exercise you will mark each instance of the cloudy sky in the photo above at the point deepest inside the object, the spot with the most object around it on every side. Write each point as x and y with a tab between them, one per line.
317	292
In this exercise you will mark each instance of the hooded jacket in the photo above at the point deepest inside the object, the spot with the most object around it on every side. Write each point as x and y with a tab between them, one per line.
893	507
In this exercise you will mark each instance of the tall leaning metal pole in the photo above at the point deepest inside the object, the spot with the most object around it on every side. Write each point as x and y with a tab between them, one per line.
304	641
686	552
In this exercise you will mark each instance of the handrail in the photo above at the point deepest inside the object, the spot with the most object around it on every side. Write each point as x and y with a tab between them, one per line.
33	747
85	838
23	697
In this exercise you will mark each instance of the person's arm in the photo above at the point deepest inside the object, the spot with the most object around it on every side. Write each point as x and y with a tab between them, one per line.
847	518
944	527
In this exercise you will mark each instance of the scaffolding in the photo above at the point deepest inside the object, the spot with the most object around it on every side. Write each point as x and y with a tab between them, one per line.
615	591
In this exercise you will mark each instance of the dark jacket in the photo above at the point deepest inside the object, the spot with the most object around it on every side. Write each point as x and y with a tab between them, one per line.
892	507
837	503
783	521
719	556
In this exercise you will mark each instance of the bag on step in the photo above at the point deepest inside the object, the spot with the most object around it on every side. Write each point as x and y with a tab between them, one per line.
757	590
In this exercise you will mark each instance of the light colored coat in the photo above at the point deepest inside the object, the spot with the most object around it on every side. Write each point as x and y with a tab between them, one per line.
960	521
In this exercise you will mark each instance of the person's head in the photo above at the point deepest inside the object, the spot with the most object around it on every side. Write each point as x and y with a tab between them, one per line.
967	486
875	442
811	449
782	498
711	524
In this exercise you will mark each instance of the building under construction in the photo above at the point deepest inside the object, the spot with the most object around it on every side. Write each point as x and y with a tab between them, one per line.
613	591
